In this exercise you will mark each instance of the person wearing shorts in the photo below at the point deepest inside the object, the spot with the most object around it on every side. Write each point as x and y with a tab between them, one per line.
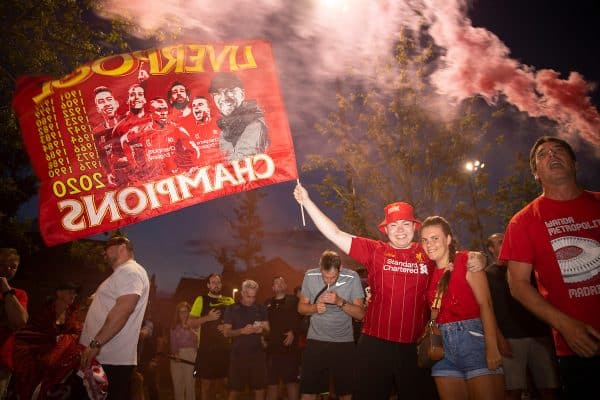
282	342
212	358
246	323
332	296
464	351
471	366
398	275
528	345
533	354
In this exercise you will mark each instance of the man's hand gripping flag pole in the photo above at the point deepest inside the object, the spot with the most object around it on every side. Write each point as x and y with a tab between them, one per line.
301	207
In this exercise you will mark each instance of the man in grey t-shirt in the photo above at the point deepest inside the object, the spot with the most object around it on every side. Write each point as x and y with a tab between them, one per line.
332	296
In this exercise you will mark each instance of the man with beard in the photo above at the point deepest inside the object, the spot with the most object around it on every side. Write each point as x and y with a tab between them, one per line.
13	314
212	359
178	96
112	325
150	149
282	342
244	131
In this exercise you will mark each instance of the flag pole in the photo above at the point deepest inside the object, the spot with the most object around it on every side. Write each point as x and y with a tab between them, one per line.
301	206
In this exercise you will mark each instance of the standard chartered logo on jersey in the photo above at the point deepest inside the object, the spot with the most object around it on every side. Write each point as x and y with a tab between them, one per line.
404	267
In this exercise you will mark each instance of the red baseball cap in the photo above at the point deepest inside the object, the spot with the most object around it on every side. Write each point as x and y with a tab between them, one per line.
398	211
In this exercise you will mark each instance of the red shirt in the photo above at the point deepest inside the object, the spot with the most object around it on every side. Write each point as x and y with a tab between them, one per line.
7	336
458	303
206	136
561	240
398	279
153	147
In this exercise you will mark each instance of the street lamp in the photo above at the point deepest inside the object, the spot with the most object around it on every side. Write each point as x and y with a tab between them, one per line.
472	166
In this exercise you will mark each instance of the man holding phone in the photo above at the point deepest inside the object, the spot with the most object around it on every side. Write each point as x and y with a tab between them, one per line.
332	296
245	323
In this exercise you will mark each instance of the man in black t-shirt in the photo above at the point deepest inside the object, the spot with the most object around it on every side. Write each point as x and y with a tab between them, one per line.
528	348
245	323
282	341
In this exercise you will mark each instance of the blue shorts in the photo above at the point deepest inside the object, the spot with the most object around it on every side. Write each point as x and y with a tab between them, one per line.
464	351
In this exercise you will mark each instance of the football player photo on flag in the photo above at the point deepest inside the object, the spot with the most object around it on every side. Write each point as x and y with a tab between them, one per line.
136	135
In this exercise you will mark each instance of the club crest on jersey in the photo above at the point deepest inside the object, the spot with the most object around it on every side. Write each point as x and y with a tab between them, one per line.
419	257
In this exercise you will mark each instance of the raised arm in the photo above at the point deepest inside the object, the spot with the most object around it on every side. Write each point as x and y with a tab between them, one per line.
581	338
327	227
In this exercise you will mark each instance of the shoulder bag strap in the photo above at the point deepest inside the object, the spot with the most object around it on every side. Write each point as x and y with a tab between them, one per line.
320	293
439	293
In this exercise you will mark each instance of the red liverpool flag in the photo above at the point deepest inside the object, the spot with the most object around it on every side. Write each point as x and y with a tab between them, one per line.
136	135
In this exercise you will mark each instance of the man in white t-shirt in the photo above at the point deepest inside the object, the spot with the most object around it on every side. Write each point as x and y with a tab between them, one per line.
112	325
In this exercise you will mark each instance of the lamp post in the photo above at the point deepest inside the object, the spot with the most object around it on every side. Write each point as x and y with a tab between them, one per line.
472	167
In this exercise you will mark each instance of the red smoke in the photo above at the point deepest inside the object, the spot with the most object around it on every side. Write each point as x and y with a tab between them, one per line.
477	62
337	34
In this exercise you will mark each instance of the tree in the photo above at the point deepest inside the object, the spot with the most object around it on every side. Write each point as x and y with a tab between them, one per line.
515	191
39	38
387	145
47	38
223	256
248	229
246	239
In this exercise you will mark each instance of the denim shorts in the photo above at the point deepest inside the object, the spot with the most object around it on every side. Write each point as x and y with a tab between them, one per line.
464	351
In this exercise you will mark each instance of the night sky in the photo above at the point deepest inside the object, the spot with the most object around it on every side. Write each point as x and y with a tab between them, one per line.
546	33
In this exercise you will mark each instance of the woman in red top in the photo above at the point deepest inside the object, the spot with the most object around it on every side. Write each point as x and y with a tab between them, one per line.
471	367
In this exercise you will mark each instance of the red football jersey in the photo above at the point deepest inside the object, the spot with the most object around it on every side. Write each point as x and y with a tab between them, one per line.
153	148
398	279
206	136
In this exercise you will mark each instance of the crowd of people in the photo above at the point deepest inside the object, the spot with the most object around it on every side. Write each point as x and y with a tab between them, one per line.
497	319
550	263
